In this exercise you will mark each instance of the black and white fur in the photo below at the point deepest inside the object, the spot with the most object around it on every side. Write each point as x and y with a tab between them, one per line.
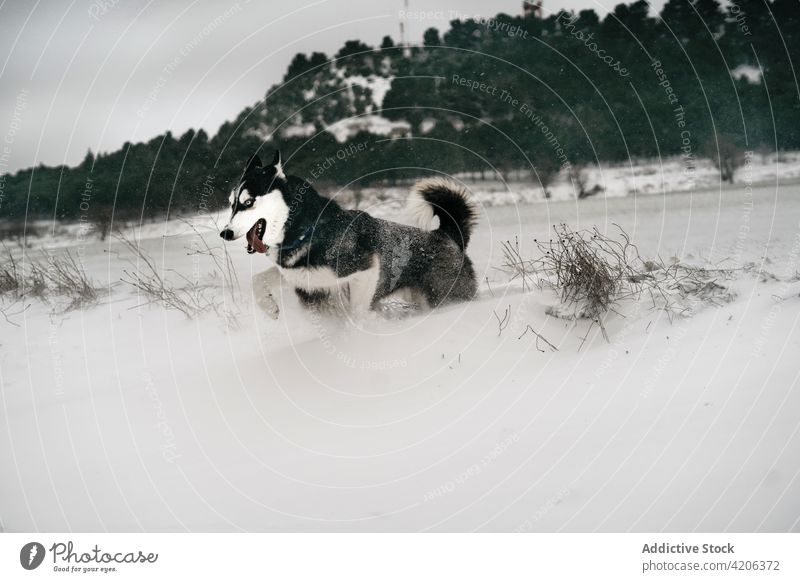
325	251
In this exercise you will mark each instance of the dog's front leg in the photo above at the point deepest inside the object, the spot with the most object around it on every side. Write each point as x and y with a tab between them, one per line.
363	285
263	285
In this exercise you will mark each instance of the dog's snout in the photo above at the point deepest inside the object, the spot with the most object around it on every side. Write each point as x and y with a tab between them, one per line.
227	234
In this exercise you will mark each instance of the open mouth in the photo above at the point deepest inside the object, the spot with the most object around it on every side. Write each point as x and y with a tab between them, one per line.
254	236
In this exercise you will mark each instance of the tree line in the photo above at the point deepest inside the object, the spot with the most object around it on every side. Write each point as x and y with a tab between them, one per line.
526	94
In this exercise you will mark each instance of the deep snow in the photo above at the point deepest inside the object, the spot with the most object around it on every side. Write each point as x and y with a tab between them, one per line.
119	417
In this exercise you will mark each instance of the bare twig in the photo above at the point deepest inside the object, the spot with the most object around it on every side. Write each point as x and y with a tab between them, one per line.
502	323
7	313
516	265
223	264
539	336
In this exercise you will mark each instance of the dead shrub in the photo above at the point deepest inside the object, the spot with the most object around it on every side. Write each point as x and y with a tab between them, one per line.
592	273
193	298
11	277
55	277
65	277
36	281
588	269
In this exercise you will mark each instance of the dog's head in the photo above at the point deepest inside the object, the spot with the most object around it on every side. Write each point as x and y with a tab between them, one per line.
258	207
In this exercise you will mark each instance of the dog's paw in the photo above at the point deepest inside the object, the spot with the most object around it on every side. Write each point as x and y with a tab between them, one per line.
263	284
267	303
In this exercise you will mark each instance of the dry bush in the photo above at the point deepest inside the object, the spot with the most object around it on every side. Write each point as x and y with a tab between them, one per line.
36	281
592	273
726	155
102	221
223	264
580	182
62	277
11	276
193	298
65	277
586	268
56	277
545	171
149	281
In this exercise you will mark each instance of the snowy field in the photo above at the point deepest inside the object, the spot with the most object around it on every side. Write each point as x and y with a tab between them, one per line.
124	416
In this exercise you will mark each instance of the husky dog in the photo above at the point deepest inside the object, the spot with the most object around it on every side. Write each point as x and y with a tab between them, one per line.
325	251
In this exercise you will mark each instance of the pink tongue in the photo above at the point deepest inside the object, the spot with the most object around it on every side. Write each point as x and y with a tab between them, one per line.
258	245
255	242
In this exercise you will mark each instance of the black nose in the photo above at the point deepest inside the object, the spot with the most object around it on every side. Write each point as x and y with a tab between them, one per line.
227	234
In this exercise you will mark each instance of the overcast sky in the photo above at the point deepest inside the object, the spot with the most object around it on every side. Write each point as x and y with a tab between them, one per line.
80	74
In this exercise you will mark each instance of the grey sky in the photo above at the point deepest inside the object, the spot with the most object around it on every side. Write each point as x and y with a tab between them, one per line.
92	74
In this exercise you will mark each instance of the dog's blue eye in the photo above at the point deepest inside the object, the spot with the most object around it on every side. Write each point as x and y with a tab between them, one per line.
248	202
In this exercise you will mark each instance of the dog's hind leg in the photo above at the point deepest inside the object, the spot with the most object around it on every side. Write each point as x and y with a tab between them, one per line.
452	284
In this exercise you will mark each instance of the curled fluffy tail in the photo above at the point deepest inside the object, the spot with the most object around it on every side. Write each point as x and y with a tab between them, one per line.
447	201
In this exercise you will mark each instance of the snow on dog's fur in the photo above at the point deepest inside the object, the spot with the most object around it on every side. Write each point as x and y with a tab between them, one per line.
322	249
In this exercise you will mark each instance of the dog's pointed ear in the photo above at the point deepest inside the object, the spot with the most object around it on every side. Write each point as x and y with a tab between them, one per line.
277	163
252	164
